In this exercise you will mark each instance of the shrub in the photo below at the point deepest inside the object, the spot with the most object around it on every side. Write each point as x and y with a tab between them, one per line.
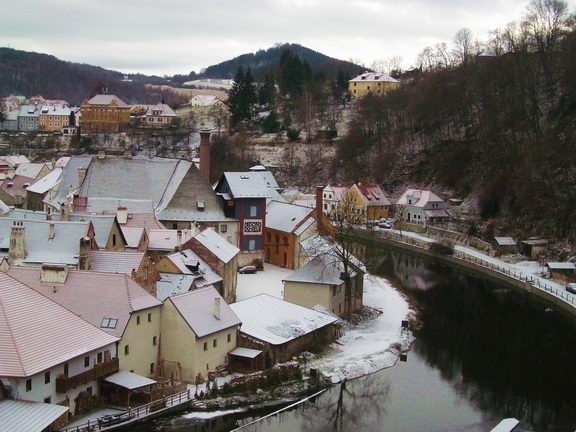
271	124
293	134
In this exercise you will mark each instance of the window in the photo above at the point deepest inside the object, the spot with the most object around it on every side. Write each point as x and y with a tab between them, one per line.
138	320
113	239
109	323
28	385
175	225
205	346
151	368
207	366
86	361
229	338
99	358
215	343
89	390
47	377
154	341
126	349
149	317
252	245
48	400
223	228
253	211
65	369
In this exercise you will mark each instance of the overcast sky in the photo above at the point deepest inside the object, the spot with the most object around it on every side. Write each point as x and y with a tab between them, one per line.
177	36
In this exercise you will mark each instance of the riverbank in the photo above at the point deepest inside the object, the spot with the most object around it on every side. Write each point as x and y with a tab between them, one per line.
479	264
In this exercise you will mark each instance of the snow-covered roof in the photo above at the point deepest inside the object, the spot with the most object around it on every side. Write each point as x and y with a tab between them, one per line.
372	194
323	269
115	262
319	245
26	416
250	184
191	264
44	184
561	265
276	321
167	240
505	241
107	99
217	244
31	169
375	77
197	309
129	380
420	197
55	110
286	217
36	333
171	284
245	352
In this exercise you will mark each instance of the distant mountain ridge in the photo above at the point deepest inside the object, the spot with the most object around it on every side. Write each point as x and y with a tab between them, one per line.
263	60
30	73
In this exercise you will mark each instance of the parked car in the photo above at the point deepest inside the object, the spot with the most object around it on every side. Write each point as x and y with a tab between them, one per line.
250	269
385	225
571	288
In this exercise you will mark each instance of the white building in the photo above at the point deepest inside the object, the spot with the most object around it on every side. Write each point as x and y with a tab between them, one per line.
47	353
422	206
205	101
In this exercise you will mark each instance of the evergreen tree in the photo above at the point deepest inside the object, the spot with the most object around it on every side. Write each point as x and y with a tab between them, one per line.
242	96
267	91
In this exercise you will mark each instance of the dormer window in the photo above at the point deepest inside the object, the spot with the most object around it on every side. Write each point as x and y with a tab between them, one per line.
201	205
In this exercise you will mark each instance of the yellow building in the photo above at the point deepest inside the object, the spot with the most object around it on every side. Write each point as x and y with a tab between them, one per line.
367	202
54	118
198	331
104	113
371	82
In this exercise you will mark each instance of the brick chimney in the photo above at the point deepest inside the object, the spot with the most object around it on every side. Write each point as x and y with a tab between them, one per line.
205	154
17	251
217	308
84	258
319	205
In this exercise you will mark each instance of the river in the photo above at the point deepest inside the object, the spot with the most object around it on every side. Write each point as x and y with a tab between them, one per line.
484	352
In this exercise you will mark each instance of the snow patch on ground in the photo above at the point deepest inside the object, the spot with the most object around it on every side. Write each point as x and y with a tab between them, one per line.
268	281
206	415
366	348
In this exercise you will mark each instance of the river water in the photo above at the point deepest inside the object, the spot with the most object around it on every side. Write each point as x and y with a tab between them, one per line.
484	352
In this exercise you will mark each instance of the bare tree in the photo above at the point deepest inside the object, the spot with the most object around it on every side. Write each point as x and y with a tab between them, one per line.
464	44
388	65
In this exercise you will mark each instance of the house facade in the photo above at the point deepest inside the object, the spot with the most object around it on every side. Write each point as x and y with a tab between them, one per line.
422	207
198	331
286	226
371	82
28	118
369	200
104	113
53	118
159	115
331	197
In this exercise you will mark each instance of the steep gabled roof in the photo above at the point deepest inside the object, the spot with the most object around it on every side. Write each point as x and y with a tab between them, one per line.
197	309
421	197
37	333
115	262
216	244
93	296
372	194
286	217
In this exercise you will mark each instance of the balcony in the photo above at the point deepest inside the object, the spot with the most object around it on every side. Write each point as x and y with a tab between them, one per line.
65	383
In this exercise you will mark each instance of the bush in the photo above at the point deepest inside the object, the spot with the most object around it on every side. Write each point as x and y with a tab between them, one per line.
442	248
293	134
271	124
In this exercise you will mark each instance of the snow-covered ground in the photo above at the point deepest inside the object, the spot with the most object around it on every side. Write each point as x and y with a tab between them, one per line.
268	281
365	348
362	349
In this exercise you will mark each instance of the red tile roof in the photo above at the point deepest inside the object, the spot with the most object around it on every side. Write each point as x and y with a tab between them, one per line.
37	333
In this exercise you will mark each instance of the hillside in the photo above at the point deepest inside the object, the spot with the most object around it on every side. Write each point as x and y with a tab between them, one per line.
497	130
264	60
30	73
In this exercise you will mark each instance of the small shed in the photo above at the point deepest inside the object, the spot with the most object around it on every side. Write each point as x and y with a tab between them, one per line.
122	385
245	360
562	270
505	245
533	247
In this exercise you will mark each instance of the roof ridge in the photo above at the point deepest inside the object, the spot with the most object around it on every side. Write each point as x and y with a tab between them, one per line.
10	331
128	293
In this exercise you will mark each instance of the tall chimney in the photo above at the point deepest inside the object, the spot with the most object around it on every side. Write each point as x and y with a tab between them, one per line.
122	215
319	206
81	175
17	250
205	154
84	258
217	308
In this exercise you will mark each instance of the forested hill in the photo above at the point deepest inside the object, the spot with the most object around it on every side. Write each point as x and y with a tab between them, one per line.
30	73
499	130
264	60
